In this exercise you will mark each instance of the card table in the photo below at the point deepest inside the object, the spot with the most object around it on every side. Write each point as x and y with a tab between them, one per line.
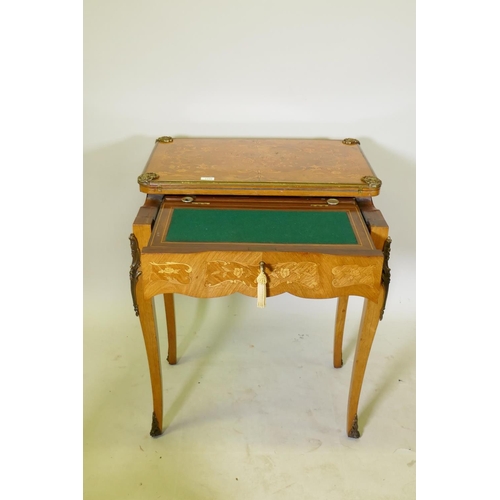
260	217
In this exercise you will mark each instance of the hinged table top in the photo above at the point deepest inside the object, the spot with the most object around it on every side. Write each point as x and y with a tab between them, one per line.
269	167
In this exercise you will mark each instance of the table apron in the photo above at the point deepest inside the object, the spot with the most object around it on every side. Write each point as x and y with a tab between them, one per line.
220	273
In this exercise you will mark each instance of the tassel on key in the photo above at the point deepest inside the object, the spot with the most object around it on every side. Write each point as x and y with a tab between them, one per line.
261	287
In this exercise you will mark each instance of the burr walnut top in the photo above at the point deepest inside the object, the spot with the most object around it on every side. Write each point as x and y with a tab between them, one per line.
292	167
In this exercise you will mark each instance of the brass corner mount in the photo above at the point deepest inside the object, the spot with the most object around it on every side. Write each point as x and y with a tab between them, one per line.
146	178
372	181
164	139
349	141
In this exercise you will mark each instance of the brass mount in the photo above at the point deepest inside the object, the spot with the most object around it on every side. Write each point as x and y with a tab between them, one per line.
145	179
372	181
165	139
386	272
354	431
134	270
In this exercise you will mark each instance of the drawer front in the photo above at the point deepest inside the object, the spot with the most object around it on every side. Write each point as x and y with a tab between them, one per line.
219	273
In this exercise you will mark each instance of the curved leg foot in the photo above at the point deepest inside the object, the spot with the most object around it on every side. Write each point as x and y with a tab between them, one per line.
155	427
148	325
368	327
339	331
168	299
354	432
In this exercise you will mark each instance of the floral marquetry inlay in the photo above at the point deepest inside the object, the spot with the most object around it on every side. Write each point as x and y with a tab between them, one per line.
219	272
353	275
303	273
172	272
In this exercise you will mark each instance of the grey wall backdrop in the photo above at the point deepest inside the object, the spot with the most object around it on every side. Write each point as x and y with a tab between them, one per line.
318	69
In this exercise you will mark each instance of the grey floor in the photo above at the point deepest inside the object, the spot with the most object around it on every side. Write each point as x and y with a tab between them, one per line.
254	408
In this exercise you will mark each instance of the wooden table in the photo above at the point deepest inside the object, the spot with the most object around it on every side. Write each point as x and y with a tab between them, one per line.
261	218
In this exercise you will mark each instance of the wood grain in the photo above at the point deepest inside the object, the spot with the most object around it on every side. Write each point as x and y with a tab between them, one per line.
168	299
368	327
339	331
276	167
204	270
142	231
379	230
201	280
149	331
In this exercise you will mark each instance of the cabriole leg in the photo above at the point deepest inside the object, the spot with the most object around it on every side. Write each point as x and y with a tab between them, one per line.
339	331
168	299
148	325
368	327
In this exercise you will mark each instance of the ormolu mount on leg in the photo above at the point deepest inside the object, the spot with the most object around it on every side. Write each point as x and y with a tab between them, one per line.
354	432
134	269
155	427
386	273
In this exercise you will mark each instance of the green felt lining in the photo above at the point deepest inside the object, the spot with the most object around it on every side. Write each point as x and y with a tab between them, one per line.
260	226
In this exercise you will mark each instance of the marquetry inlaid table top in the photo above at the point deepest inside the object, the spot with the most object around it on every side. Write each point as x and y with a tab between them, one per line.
272	167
